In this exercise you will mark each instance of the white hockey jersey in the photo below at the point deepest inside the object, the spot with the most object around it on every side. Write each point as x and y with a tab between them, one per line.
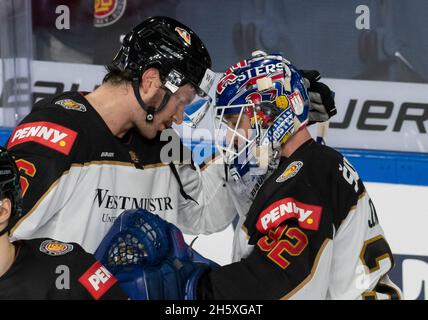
77	177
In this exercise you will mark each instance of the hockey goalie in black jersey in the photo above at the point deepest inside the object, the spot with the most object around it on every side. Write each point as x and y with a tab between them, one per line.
312	231
42	269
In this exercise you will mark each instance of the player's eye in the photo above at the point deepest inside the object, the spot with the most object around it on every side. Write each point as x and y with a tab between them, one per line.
231	120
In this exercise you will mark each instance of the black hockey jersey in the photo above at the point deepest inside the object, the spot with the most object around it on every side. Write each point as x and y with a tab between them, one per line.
53	270
313	233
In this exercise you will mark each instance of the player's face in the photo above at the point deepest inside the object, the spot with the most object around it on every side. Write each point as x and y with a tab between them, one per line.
171	113
241	130
174	109
5	211
243	127
235	130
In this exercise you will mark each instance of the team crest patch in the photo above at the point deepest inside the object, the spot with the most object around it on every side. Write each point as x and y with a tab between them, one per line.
184	34
292	169
107	12
71	105
55	248
282	102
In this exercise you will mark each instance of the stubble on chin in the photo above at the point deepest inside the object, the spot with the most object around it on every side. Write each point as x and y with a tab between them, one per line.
148	131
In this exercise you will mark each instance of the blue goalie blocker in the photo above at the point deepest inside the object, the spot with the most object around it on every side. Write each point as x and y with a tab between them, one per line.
150	258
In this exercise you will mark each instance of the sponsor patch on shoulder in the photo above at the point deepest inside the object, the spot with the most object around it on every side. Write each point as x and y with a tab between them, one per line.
55	248
307	215
97	280
291	170
49	134
71	105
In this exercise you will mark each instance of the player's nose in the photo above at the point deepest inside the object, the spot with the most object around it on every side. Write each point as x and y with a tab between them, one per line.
178	116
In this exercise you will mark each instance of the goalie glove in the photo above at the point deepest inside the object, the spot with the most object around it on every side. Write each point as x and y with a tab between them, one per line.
322	106
150	258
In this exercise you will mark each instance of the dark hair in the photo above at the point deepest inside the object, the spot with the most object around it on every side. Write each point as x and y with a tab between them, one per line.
116	76
7	195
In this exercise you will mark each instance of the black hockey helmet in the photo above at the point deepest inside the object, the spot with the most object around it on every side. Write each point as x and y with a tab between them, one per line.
171	47
10	186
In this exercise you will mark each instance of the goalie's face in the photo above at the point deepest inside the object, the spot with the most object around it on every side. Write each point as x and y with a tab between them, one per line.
237	130
243	126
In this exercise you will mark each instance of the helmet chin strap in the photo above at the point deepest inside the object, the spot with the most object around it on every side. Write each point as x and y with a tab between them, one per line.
150	110
5	230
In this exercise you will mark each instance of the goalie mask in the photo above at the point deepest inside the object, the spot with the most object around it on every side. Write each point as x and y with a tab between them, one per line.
260	104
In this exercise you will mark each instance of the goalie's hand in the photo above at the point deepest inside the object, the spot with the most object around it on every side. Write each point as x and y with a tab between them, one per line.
150	258
322	106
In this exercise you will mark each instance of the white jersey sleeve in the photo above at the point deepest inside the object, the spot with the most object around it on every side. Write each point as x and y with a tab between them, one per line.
362	257
211	208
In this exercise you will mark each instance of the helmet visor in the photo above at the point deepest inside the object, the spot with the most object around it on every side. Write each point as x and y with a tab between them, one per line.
196	111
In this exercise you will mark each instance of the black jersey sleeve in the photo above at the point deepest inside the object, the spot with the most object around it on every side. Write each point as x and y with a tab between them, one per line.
48	269
78	275
92	279
281	263
44	145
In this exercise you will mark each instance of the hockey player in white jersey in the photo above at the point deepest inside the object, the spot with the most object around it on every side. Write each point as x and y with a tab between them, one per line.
86	157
